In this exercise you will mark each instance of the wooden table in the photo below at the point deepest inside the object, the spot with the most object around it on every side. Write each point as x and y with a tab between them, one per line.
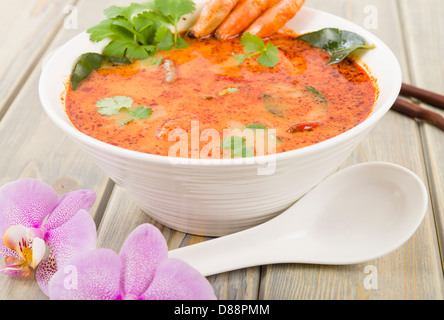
32	146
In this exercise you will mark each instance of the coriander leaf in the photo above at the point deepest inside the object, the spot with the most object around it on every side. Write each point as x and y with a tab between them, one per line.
164	38
174	9
115	11
338	43
126	12
111	106
269	57
113	28
149	18
141	112
123	28
138	52
101	31
129	49
238	147
256	126
85	64
116	47
146	35
181	43
252	43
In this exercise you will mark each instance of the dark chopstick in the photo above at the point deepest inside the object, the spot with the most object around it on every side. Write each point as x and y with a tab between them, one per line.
414	111
425	96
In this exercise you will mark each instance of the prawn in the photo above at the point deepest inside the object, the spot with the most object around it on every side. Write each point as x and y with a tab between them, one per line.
275	18
243	15
213	14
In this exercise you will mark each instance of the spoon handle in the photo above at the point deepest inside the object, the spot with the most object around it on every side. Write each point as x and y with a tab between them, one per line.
240	250
264	244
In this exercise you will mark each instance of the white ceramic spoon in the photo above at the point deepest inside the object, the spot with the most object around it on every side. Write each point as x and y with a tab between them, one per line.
356	215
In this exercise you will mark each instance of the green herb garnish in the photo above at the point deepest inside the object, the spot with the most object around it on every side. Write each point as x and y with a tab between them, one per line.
111	106
253	46
88	62
317	93
238	147
172	11
338	43
256	126
139	30
115	105
141	112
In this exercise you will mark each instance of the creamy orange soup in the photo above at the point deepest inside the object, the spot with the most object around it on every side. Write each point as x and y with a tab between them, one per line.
301	101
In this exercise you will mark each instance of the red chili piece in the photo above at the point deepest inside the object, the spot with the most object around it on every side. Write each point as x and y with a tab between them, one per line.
304	126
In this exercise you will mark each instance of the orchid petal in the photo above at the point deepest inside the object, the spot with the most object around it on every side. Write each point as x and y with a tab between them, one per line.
14	238
25	202
68	206
38	251
46	269
75	236
93	275
176	280
16	268
141	252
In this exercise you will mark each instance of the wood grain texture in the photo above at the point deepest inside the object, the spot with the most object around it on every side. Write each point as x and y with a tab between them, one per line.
425	47
33	147
27	27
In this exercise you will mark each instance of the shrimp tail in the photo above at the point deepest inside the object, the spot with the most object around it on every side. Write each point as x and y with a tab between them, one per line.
275	18
213	14
243	15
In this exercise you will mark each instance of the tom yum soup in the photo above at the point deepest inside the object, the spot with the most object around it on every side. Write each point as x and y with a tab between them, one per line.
211	99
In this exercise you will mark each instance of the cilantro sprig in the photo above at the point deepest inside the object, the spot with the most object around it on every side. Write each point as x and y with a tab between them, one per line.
238	147
253	46
118	104
138	31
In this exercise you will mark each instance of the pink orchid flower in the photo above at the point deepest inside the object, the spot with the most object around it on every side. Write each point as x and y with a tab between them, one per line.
142	271
41	231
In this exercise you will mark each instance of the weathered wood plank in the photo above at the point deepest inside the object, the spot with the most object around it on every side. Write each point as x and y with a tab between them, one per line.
411	272
27	27
405	273
33	147
424	27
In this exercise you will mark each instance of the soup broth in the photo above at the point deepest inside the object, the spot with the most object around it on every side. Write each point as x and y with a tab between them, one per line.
201	92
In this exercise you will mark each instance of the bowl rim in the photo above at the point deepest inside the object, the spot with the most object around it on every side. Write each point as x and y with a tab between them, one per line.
367	124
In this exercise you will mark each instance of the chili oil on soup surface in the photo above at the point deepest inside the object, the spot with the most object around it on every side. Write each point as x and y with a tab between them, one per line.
303	98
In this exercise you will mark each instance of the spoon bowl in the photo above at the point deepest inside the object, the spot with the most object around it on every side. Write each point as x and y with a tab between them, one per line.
356	215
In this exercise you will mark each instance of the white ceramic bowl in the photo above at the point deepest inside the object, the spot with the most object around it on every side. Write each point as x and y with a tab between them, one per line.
211	197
